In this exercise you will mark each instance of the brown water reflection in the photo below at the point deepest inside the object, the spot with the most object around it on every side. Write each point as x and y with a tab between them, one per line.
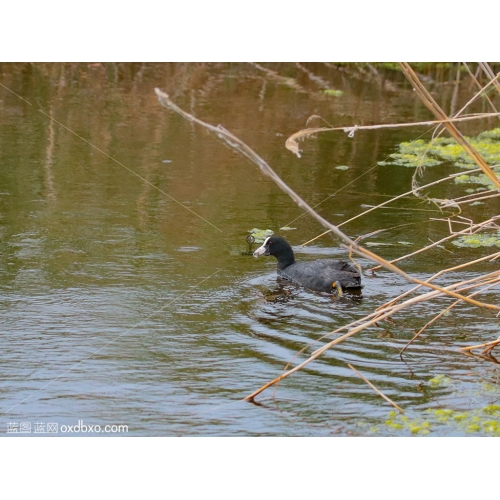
121	306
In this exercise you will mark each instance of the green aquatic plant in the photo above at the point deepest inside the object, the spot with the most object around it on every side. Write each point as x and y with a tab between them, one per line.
492	410
400	422
480	421
484	421
478	240
476	179
439	381
445	149
260	234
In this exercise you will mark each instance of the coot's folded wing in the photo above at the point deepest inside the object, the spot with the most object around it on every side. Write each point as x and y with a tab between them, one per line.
322	274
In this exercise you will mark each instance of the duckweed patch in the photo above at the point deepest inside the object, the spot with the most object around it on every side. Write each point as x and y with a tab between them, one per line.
482	421
414	426
446	149
441	421
439	381
478	240
482	179
492	410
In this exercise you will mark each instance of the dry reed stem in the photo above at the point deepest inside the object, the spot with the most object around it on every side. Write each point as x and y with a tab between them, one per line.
482	92
387	202
292	142
489	72
433	106
455	203
313	356
489	346
471	195
481	225
490	284
363	251
378	391
476	81
464	284
491	257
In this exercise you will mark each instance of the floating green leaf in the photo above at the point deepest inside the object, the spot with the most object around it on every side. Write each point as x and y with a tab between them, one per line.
333	92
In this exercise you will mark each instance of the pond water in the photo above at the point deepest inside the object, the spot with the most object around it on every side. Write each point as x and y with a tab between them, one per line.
126	293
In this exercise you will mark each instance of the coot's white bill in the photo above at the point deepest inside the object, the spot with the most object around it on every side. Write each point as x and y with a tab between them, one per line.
263	250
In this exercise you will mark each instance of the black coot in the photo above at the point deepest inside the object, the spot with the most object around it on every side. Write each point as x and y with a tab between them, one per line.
323	275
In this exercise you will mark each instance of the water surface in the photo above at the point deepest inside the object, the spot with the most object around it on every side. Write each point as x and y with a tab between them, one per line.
126	295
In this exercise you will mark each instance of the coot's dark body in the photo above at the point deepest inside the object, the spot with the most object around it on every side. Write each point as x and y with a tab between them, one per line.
323	275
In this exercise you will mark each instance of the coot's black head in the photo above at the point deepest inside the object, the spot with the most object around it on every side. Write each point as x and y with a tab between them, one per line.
279	247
